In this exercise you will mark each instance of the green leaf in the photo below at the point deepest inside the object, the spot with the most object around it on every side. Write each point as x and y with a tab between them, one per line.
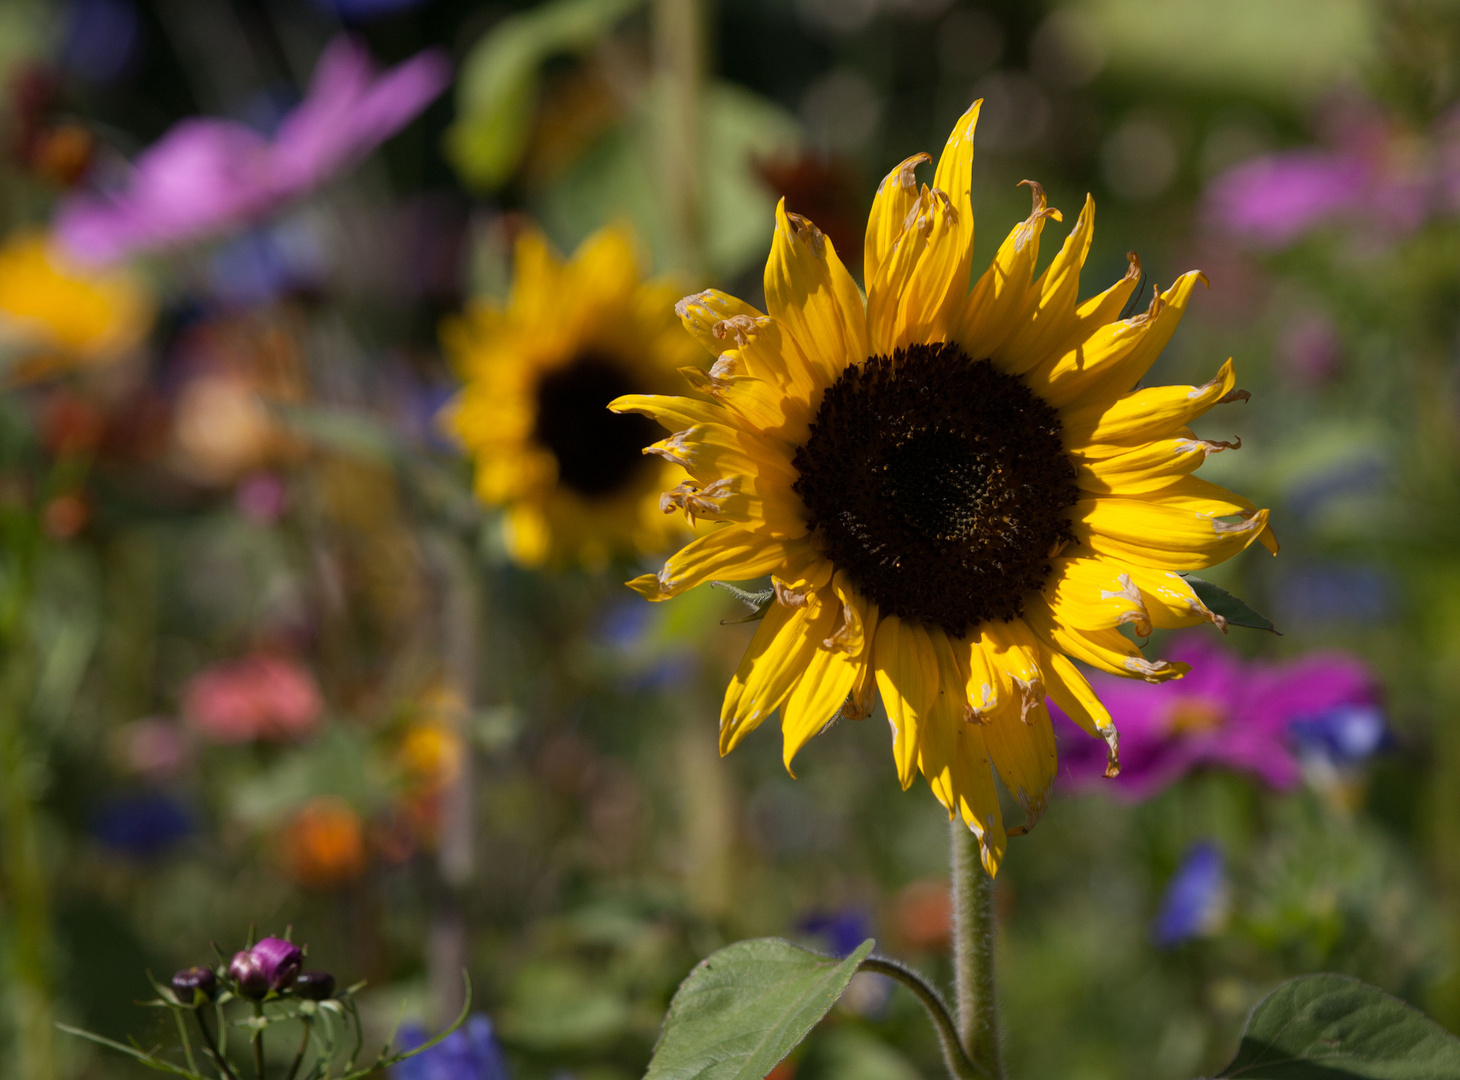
496	95
744	1008
1331	1027
759	601
1231	608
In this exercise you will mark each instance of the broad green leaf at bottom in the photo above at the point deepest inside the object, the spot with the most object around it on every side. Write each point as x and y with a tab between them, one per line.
744	1008
1331	1027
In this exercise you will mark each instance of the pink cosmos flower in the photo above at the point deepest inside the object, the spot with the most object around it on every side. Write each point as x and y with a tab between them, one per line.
1373	174
257	697
1249	716
206	176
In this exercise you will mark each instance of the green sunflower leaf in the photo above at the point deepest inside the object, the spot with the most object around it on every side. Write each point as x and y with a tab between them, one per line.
1332	1027
759	601
1234	609
744	1008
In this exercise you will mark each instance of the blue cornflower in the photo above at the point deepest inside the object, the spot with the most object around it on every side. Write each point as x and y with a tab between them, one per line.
1347	734
842	930
1195	900
141	825
469	1053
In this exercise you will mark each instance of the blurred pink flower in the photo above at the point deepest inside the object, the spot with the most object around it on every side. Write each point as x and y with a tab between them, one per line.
207	175
1249	716
1374	173
257	697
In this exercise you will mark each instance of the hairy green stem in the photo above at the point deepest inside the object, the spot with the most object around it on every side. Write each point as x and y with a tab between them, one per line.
973	953
954	1056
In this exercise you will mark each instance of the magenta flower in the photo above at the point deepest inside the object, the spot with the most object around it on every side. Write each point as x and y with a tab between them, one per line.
1374	174
207	176
1248	716
279	960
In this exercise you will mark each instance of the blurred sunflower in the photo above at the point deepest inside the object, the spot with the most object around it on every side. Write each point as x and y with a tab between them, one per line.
56	315
571	476
955	493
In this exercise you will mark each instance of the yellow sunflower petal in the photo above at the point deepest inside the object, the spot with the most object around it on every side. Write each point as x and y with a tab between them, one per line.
943	723
731	553
1104	307
1168	598
1107	650
709	452
894	201
1053	318
1154	413
1072	692
777	656
1180	527
675	413
1023	752
906	669
939	231
536	278
1146	467
828	678
1096	594
1003	296
810	293
1116	356
702	313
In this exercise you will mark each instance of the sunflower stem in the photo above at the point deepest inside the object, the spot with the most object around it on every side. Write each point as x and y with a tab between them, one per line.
973	953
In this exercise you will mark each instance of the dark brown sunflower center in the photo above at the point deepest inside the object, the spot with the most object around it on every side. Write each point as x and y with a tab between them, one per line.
939	484
598	452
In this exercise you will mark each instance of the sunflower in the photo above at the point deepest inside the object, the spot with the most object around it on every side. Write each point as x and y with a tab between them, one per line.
956	493
57	315
570	476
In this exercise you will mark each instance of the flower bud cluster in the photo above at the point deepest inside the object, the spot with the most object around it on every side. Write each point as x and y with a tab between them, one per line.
270	968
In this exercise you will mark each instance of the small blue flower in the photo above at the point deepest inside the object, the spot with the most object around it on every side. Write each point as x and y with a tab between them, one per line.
842	931
142	825
1196	898
1345	735
469	1053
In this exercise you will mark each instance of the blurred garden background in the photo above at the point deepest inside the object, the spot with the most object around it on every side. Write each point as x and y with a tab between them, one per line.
265	656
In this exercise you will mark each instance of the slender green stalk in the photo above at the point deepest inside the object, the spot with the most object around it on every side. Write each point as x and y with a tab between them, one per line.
303	1044
258	1042
973	953
954	1056
221	1062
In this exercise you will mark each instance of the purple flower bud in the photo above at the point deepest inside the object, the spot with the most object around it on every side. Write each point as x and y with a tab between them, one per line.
195	985
314	985
279	961
246	971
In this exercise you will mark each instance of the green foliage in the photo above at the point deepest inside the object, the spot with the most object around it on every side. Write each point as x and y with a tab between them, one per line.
1232	608
744	1008
1329	1027
497	91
